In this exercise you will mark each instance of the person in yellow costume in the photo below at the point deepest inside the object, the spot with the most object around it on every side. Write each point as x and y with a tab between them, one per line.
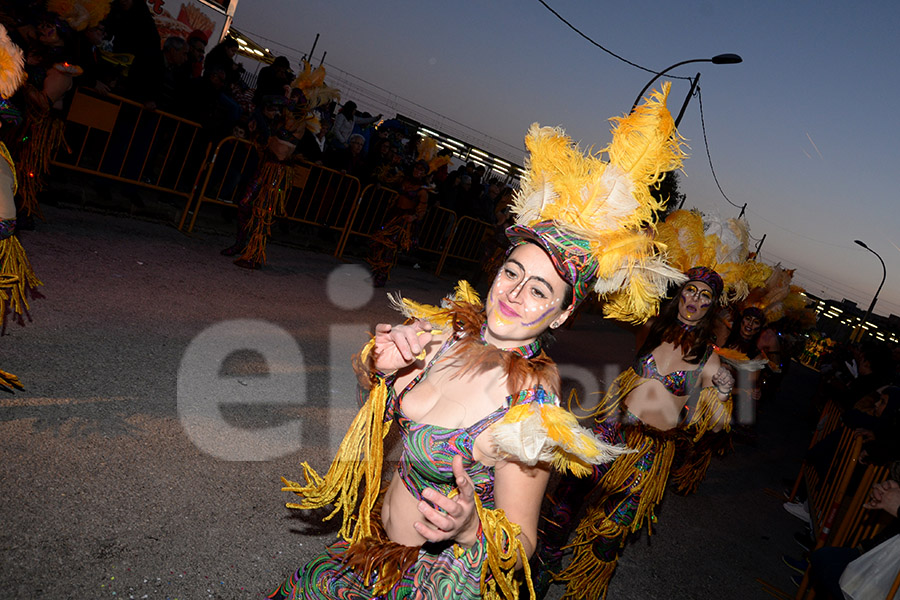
676	391
16	275
473	393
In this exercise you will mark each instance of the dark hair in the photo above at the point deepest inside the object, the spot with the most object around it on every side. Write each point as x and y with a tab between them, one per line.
736	341
668	328
281	61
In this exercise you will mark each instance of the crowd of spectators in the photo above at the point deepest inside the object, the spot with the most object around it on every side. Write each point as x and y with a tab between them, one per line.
864	383
125	55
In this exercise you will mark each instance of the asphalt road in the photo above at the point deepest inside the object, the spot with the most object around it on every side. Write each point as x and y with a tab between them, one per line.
143	459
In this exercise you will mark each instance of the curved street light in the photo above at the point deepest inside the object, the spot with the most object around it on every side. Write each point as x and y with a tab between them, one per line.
719	59
875	298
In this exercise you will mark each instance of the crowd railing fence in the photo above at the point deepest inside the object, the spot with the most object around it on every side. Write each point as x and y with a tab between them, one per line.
466	243
321	196
437	229
221	174
829	419
368	214
117	138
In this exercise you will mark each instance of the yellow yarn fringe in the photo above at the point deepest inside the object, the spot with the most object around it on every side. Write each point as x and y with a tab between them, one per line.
504	549
587	576
686	479
34	160
9	381
18	276
358	461
711	413
5	155
612	399
276	180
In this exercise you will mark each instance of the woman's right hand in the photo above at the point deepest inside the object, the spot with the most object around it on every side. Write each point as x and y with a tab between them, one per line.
398	346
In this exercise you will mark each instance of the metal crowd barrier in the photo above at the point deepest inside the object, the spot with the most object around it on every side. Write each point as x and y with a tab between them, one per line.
368	214
231	162
322	197
117	138
466	243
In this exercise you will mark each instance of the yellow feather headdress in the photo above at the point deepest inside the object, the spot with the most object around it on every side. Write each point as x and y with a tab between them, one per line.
595	218
695	240
312	83
80	14
12	65
778	298
428	152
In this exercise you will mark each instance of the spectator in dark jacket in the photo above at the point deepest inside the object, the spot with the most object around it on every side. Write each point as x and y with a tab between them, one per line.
273	79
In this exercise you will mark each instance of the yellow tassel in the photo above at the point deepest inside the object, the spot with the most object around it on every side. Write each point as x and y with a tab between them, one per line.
18	276
10	382
504	549
621	387
357	463
276	180
34	160
586	576
711	413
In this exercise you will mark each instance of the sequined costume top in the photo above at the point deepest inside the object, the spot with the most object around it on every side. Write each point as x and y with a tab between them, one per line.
678	383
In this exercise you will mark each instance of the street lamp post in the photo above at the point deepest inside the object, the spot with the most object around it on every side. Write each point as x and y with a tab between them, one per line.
874	298
719	59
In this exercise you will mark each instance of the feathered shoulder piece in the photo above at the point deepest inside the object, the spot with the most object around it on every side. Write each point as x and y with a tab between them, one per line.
692	240
12	65
536	429
739	360
439	316
595	217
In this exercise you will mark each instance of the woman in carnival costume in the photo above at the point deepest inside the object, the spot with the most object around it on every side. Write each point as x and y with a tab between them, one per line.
16	274
266	195
676	390
44	102
402	219
477	403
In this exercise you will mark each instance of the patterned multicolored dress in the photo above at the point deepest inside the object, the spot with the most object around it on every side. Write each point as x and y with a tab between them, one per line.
366	563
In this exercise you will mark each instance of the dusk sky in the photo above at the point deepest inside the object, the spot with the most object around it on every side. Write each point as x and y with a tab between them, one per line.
805	130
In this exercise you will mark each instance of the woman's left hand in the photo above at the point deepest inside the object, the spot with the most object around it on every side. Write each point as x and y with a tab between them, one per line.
723	380
457	518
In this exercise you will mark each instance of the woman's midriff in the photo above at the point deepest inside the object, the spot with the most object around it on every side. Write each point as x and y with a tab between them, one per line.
399	513
654	405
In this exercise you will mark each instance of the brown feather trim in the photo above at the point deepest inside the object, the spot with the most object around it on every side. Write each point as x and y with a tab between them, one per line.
476	357
638	429
382	560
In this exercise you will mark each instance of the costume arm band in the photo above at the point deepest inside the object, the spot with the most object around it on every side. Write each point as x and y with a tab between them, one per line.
355	469
712	414
501	548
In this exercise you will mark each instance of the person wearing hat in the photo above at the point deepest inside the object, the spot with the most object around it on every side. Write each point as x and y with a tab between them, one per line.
676	391
475	397
645	409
